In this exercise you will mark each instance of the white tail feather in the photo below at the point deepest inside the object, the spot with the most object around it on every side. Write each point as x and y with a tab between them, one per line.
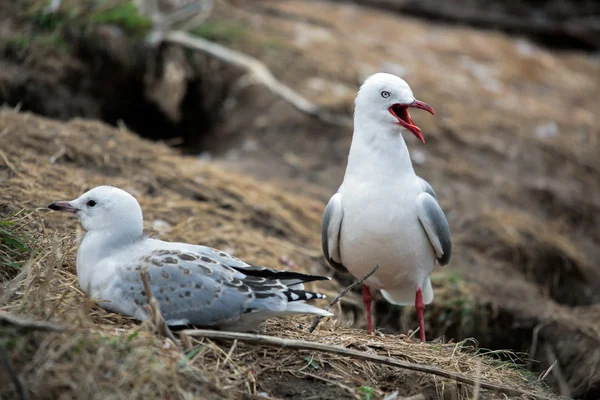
404	297
300	307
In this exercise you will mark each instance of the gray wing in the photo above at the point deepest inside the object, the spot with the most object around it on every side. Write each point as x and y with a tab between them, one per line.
434	222
195	289
330	232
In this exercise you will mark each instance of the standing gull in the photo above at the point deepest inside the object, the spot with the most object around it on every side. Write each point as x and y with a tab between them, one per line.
194	285
383	213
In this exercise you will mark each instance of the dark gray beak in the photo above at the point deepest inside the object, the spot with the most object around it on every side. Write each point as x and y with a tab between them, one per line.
63	206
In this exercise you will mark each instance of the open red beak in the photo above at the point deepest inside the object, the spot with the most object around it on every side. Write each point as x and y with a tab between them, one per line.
63	206
400	111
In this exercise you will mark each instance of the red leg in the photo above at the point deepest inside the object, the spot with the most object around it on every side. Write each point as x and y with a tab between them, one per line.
367	300
420	307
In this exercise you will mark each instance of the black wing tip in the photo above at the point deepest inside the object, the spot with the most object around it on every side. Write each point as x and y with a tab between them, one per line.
269	273
318	278
447	246
445	259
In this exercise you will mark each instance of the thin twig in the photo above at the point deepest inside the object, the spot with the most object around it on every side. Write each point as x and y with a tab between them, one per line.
545	374
185	340
361	355
228	356
563	385
196	13
23	394
260	74
162	327
477	380
29	324
159	321
534	343
318	318
256	70
10	165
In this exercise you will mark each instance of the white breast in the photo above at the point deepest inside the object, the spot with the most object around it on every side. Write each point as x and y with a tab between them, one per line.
381	226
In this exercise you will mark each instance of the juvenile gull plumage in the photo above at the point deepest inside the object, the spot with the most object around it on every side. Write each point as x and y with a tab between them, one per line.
194	285
383	213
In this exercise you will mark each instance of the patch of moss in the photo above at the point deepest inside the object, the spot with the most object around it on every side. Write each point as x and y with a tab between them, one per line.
126	16
48	29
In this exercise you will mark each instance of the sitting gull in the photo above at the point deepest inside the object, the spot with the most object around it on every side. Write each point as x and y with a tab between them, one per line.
194	285
383	213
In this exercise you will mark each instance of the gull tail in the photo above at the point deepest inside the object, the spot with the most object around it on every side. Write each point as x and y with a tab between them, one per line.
300	307
297	302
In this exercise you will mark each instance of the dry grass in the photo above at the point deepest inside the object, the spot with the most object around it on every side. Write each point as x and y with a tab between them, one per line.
103	355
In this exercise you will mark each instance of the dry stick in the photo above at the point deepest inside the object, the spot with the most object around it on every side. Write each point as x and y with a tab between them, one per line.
361	355
17	381
545	374
534	343
187	343
477	380
259	72
159	321
10	165
563	385
256	69
196	13
162	327
29	324
318	318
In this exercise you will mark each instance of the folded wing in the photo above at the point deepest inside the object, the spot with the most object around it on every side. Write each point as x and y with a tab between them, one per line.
330	232
195	289
434	222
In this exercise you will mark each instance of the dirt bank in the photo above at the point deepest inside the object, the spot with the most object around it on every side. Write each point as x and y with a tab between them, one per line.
102	355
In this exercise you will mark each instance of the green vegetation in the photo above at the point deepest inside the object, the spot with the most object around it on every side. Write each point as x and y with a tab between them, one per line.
310	362
14	248
49	29
367	392
126	16
222	32
189	355
460	301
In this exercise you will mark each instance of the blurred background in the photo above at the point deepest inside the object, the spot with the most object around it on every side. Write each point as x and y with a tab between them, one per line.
512	153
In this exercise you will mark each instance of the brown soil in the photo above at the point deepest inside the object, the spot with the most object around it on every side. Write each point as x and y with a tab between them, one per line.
512	154
105	355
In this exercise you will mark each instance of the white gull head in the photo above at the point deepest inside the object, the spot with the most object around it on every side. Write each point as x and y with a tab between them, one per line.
106	208
383	100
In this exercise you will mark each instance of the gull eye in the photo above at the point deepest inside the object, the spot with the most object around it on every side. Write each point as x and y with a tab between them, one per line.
385	94
91	203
